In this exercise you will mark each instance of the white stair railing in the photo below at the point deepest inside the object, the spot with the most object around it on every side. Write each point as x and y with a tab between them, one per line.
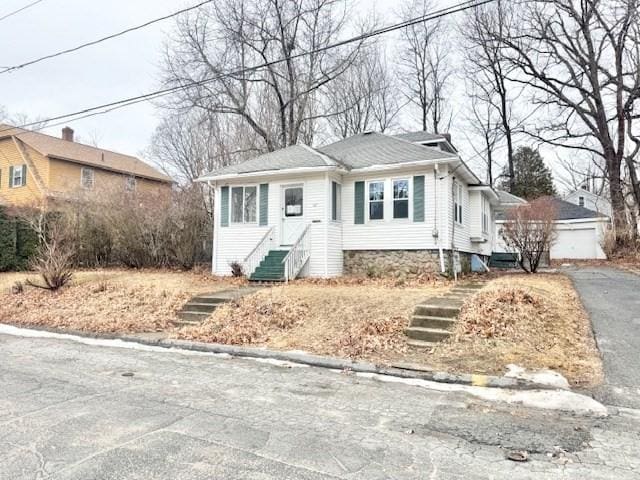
258	254
298	255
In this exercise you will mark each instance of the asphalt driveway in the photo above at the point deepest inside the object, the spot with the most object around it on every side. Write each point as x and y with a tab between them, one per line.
612	298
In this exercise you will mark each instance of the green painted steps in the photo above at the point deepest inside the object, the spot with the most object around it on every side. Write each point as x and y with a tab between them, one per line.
271	269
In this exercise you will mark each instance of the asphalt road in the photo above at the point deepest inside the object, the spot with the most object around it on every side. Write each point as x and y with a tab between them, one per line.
67	412
612	299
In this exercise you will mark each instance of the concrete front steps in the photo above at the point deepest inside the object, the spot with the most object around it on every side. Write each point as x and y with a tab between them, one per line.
200	307
434	319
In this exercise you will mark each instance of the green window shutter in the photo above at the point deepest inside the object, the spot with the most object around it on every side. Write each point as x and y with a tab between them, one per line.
264	204
418	198
358	206
224	207
10	176
24	175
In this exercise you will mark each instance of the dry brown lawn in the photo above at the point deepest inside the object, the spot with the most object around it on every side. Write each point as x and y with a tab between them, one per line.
106	301
535	321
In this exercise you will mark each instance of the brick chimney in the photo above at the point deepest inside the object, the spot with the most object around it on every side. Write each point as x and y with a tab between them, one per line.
67	134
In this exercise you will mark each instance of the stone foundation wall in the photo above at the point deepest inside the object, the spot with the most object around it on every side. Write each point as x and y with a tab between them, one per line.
398	263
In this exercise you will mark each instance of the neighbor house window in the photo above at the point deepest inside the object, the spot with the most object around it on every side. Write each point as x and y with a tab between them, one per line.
86	178
376	200
401	199
130	184
581	201
457	201
336	201
243	204
19	176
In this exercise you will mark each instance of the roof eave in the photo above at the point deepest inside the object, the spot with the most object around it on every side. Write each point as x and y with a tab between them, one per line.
268	173
111	169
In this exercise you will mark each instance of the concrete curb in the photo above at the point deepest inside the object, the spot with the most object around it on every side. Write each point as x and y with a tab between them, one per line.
311	360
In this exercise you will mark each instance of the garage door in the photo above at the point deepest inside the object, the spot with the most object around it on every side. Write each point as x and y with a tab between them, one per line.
577	244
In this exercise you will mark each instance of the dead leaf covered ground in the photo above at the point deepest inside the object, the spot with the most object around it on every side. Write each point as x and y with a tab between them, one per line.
106	301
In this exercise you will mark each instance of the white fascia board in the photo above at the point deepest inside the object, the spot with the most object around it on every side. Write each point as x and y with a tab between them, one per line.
486	189
572	221
399	166
270	173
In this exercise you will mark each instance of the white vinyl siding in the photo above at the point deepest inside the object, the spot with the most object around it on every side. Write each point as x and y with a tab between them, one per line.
390	233
235	242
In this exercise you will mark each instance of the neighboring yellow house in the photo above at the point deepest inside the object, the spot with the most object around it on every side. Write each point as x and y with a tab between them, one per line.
35	167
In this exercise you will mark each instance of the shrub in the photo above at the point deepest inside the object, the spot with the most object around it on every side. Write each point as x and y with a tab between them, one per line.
237	269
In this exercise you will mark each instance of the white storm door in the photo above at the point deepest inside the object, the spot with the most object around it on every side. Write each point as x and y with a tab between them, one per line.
292	213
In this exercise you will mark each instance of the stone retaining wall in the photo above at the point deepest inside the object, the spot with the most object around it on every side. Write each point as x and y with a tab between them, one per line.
399	263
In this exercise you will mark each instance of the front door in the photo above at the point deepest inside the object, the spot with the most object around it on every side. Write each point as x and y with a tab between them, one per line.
292	214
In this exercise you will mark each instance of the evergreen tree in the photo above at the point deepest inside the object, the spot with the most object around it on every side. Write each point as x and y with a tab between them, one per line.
533	178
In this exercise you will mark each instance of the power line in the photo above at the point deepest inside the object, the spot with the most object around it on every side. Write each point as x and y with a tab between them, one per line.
103	39
20	10
111	106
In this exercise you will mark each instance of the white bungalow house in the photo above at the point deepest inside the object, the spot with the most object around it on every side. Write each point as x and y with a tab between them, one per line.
368	204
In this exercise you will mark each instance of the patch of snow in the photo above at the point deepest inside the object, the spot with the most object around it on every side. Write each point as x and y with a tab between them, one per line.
542	377
563	400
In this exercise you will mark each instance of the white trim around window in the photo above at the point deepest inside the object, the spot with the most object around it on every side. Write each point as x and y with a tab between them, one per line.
19	177
401	198
375	196
243	205
87	178
458	202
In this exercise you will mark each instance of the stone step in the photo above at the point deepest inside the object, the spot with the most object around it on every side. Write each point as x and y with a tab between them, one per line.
445	301
193	306
194	316
209	299
427	334
421	344
425	321
429	310
185	323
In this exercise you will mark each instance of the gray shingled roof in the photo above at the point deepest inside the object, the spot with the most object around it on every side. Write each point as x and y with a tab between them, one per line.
564	211
506	197
370	149
297	156
420	136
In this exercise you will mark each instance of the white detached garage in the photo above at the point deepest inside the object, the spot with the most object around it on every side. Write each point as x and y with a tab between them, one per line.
579	231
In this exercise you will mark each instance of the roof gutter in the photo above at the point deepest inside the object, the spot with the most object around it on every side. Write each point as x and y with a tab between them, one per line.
270	173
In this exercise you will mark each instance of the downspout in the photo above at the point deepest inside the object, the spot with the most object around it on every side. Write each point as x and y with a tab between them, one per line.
453	229
216	232
436	219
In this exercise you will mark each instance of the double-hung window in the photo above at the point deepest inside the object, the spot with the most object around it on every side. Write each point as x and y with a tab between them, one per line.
243	204
401	198
18	176
485	215
336	201
457	201
130	183
86	178
376	200
581	201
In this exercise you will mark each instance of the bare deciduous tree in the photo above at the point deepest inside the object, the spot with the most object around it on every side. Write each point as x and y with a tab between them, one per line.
578	59
529	230
492	94
426	67
220	44
364	97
